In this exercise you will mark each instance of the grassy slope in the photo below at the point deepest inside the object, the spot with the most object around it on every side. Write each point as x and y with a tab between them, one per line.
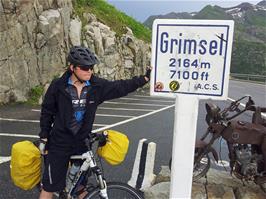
109	15
249	57
212	12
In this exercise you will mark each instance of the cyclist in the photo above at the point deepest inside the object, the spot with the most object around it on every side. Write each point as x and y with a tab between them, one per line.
68	112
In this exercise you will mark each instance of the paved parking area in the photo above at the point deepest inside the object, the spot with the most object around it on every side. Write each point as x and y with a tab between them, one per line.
22	121
136	115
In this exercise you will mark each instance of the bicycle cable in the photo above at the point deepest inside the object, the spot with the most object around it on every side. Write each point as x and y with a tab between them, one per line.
99	162
101	165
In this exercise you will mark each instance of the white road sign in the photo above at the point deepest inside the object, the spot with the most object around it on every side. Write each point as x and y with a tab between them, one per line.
191	57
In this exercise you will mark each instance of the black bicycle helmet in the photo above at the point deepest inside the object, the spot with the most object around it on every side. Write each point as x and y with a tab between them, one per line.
81	56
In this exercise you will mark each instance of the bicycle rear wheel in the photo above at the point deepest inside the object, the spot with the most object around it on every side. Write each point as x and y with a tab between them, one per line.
116	190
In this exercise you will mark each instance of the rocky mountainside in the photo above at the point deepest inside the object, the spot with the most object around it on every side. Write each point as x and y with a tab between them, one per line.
249	47
35	36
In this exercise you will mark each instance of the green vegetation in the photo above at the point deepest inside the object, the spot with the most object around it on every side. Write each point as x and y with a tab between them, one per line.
35	94
109	15
249	57
212	12
256	18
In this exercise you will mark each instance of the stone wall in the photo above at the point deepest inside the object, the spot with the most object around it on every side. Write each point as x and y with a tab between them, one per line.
35	36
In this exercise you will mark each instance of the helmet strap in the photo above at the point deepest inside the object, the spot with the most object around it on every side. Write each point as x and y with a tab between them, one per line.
80	80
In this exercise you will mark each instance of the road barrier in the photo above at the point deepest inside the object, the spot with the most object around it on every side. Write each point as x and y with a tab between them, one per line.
249	77
142	174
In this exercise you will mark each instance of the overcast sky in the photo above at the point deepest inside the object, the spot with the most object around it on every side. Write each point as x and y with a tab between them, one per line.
142	9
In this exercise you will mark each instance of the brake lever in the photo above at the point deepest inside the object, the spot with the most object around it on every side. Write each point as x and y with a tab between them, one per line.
102	138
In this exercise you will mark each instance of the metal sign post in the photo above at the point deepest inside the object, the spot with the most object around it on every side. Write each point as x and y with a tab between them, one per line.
191	60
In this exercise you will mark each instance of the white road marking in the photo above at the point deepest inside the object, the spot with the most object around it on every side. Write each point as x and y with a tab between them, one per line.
104	115
100	124
36	110
108	115
150	100
18	120
157	98
110	108
18	135
4	159
137	104
125	109
131	119
37	121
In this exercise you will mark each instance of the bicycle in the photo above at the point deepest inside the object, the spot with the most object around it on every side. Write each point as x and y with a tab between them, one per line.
102	189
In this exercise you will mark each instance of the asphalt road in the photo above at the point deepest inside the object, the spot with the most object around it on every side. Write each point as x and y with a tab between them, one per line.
137	115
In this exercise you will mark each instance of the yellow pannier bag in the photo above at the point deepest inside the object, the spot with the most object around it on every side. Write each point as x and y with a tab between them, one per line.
115	149
25	165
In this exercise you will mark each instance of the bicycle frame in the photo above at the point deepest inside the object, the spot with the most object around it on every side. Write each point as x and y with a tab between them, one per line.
89	163
89	166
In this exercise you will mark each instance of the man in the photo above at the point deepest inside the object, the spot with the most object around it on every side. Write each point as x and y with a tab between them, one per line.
68	113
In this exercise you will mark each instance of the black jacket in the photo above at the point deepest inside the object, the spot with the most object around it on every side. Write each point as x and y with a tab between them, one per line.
57	109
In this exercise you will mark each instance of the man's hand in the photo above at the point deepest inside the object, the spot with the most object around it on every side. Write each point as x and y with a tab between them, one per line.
42	146
147	75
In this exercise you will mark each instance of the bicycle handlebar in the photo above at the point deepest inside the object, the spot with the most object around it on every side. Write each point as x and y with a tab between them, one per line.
100	137
234	106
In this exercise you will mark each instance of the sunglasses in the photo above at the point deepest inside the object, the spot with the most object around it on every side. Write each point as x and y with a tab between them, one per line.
86	68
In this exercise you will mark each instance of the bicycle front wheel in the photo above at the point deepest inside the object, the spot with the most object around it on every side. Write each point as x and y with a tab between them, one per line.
116	190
